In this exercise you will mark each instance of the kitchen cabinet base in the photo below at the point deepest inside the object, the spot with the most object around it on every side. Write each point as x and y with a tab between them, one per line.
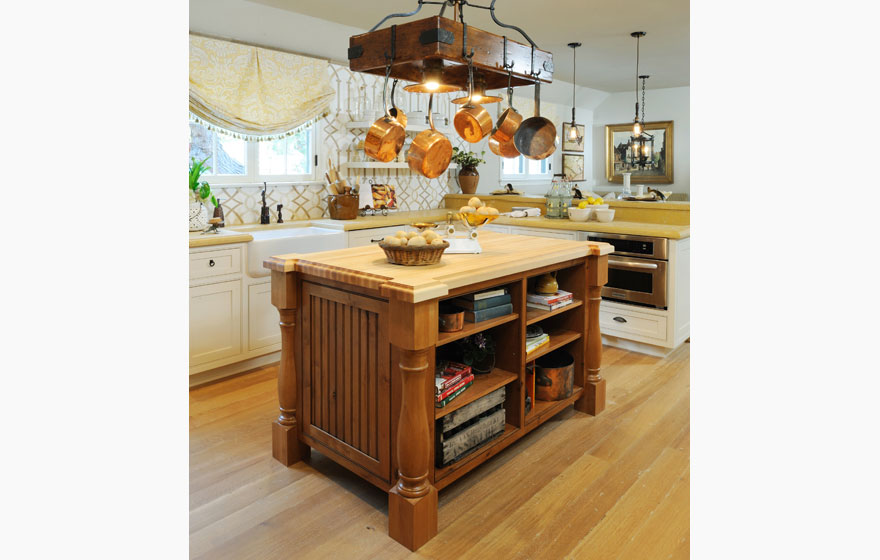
635	346
286	447
592	400
412	521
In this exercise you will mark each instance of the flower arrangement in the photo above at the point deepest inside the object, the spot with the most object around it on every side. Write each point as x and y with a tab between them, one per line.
199	189
467	159
478	351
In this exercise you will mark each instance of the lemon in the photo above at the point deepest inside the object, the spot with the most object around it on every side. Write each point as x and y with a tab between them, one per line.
599	201
583	204
591	200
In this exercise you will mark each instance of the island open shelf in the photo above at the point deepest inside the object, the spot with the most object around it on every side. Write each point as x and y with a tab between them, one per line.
360	340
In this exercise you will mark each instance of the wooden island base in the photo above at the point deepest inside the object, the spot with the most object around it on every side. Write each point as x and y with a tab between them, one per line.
359	340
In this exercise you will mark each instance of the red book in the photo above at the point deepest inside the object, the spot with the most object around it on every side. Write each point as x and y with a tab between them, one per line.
450	375
455	387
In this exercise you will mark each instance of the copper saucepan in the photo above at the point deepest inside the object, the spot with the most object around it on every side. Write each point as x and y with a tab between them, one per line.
386	135
503	149
472	122
536	136
430	151
395	111
509	121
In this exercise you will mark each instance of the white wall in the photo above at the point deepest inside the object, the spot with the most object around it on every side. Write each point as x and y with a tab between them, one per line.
272	27
671	104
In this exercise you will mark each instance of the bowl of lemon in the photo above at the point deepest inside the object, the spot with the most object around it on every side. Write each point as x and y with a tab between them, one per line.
586	208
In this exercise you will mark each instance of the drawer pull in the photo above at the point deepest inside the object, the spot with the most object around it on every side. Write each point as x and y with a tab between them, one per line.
211	262
620	319
376	240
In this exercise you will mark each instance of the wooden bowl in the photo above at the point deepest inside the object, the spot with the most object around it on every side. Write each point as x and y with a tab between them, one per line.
414	256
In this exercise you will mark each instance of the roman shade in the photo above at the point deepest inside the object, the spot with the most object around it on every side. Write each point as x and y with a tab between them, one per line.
255	93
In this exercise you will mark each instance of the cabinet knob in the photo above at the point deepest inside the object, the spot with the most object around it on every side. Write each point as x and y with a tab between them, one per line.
211	262
620	319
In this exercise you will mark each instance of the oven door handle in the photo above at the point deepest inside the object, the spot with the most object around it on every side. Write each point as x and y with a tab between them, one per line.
627	264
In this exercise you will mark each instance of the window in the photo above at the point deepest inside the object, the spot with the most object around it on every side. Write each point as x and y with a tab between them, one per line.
232	160
522	169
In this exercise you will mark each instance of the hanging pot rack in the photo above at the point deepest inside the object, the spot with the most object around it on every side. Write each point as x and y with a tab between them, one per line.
442	47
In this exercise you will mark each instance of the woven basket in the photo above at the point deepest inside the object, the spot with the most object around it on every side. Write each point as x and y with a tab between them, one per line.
414	256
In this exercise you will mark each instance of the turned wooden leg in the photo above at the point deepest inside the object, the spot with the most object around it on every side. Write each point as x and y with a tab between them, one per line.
412	503
593	399
286	446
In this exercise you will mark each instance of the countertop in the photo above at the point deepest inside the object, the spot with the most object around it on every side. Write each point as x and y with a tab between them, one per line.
239	234
367	266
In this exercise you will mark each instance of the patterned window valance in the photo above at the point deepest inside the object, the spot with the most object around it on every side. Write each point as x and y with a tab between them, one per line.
255	93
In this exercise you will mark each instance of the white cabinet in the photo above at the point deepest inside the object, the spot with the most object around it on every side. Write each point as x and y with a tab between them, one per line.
214	321
544	232
263	317
496	228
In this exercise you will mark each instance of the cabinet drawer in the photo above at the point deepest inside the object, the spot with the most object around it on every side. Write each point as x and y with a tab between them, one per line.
626	324
541	232
364	237
214	263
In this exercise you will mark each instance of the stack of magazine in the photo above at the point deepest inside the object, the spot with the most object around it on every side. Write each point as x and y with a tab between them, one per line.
549	302
483	306
450	381
535	338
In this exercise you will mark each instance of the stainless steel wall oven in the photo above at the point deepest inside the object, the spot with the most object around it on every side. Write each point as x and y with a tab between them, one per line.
636	269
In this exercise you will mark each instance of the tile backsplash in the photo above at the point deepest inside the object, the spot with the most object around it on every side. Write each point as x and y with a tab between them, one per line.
358	97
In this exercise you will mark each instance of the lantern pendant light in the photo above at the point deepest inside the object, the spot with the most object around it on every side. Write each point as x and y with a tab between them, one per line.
574	133
637	126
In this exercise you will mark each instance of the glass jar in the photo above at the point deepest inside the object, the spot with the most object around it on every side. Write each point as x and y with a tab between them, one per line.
555	199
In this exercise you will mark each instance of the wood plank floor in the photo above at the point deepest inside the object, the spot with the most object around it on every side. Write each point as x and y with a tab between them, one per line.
605	487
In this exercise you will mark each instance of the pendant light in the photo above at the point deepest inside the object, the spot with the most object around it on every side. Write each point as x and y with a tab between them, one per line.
637	126
432	79
642	146
574	133
479	96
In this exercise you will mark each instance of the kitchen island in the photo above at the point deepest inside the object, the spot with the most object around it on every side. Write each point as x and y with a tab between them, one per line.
359	339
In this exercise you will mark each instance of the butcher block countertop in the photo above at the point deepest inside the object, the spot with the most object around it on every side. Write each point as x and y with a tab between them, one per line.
502	255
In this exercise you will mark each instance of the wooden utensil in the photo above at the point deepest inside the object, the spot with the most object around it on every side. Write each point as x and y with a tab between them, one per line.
472	122
430	151
536	136
386	136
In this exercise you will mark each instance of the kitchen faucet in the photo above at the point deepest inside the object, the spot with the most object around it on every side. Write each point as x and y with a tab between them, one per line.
265	216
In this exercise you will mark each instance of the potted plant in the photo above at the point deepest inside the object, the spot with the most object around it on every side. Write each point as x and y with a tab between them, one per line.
468	176
200	191
478	351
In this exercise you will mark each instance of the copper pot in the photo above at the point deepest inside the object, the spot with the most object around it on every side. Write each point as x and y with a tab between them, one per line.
472	122
536	136
386	136
394	111
503	149
554	376
508	123
430	151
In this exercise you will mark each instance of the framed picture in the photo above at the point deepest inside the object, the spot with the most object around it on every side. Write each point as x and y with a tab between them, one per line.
573	166
650	162
569	145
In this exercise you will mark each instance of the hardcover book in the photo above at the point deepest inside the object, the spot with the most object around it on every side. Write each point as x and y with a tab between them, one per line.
549	299
466	381
444	402
484	295
550	307
490	313
481	303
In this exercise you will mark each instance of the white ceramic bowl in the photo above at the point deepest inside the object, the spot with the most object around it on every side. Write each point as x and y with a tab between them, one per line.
604	214
576	214
599	206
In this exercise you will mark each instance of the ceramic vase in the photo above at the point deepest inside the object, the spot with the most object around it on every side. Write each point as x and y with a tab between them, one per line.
198	216
468	177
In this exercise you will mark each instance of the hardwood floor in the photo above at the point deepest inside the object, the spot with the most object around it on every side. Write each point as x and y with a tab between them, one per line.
611	486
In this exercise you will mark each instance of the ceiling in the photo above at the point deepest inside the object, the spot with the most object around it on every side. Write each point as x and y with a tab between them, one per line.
606	61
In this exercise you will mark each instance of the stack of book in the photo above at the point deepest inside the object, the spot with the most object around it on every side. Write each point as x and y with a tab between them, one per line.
450	381
537	341
549	302
483	306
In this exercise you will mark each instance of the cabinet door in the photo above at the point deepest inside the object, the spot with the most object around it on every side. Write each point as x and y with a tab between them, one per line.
263	329
214	322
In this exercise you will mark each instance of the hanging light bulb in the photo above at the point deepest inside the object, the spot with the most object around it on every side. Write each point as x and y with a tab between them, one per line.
432	79
637	126
574	133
